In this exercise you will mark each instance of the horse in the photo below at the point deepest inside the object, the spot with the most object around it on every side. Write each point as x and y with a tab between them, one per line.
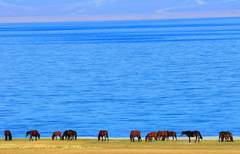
69	135
33	133
135	133
56	134
225	135
172	134
103	134
190	134
150	136
162	135
8	135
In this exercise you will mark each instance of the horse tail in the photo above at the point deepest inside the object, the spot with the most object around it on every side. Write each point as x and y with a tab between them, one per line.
200	135
219	137
38	135
99	134
75	135
53	136
107	135
175	136
10	136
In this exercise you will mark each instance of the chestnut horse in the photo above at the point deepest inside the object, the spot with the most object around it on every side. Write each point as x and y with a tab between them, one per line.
69	135
150	136
135	133
33	133
8	135
103	134
190	134
56	134
225	136
172	134
162	135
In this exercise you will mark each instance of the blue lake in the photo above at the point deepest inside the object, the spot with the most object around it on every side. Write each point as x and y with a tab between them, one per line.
123	75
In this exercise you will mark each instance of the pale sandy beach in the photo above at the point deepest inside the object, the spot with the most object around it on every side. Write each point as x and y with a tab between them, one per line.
119	146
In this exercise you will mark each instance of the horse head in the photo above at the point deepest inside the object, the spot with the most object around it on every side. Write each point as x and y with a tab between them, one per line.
27	133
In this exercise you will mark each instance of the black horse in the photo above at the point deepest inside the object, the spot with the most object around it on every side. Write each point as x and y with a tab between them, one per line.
8	135
33	133
69	135
190	134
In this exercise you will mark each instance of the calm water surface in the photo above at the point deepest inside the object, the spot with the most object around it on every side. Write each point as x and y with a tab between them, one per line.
146	75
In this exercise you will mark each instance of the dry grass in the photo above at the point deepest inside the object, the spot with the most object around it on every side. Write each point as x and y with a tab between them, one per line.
87	146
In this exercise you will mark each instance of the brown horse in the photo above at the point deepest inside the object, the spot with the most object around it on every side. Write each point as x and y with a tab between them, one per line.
103	134
162	135
190	134
8	135
172	134
33	133
135	133
69	135
225	136
56	134
151	136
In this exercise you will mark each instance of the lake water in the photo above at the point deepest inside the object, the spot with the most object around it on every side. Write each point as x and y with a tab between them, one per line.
123	75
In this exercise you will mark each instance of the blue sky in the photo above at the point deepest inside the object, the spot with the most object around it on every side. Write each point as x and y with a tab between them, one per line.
114	9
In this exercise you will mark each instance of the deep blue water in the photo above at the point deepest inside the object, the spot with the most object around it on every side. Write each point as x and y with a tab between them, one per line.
147	75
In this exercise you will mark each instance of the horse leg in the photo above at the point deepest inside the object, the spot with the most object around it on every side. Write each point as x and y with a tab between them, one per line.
189	139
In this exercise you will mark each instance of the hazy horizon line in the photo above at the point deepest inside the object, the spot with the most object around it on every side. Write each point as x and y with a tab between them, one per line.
42	19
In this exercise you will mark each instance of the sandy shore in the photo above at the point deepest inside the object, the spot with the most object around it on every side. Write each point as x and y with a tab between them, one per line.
116	146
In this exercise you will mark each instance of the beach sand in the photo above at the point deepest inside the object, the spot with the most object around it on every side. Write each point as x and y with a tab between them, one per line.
116	146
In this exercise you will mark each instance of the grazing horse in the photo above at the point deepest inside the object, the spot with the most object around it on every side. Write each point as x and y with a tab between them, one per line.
103	134
56	134
69	135
225	136
8	135
162	135
190	134
150	136
135	133
33	133
172	134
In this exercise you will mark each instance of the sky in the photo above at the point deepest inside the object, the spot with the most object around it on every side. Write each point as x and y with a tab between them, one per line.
51	10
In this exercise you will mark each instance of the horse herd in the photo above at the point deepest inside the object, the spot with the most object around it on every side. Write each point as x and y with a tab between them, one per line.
224	136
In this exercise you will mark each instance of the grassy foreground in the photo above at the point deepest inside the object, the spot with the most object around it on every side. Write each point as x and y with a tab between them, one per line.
90	146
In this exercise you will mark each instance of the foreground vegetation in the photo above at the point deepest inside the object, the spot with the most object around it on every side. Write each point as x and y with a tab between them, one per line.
91	146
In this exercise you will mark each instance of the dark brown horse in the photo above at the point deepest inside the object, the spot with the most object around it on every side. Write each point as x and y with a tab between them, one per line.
190	134
104	135
162	135
151	136
56	134
69	135
33	133
172	134
225	136
8	135
135	133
